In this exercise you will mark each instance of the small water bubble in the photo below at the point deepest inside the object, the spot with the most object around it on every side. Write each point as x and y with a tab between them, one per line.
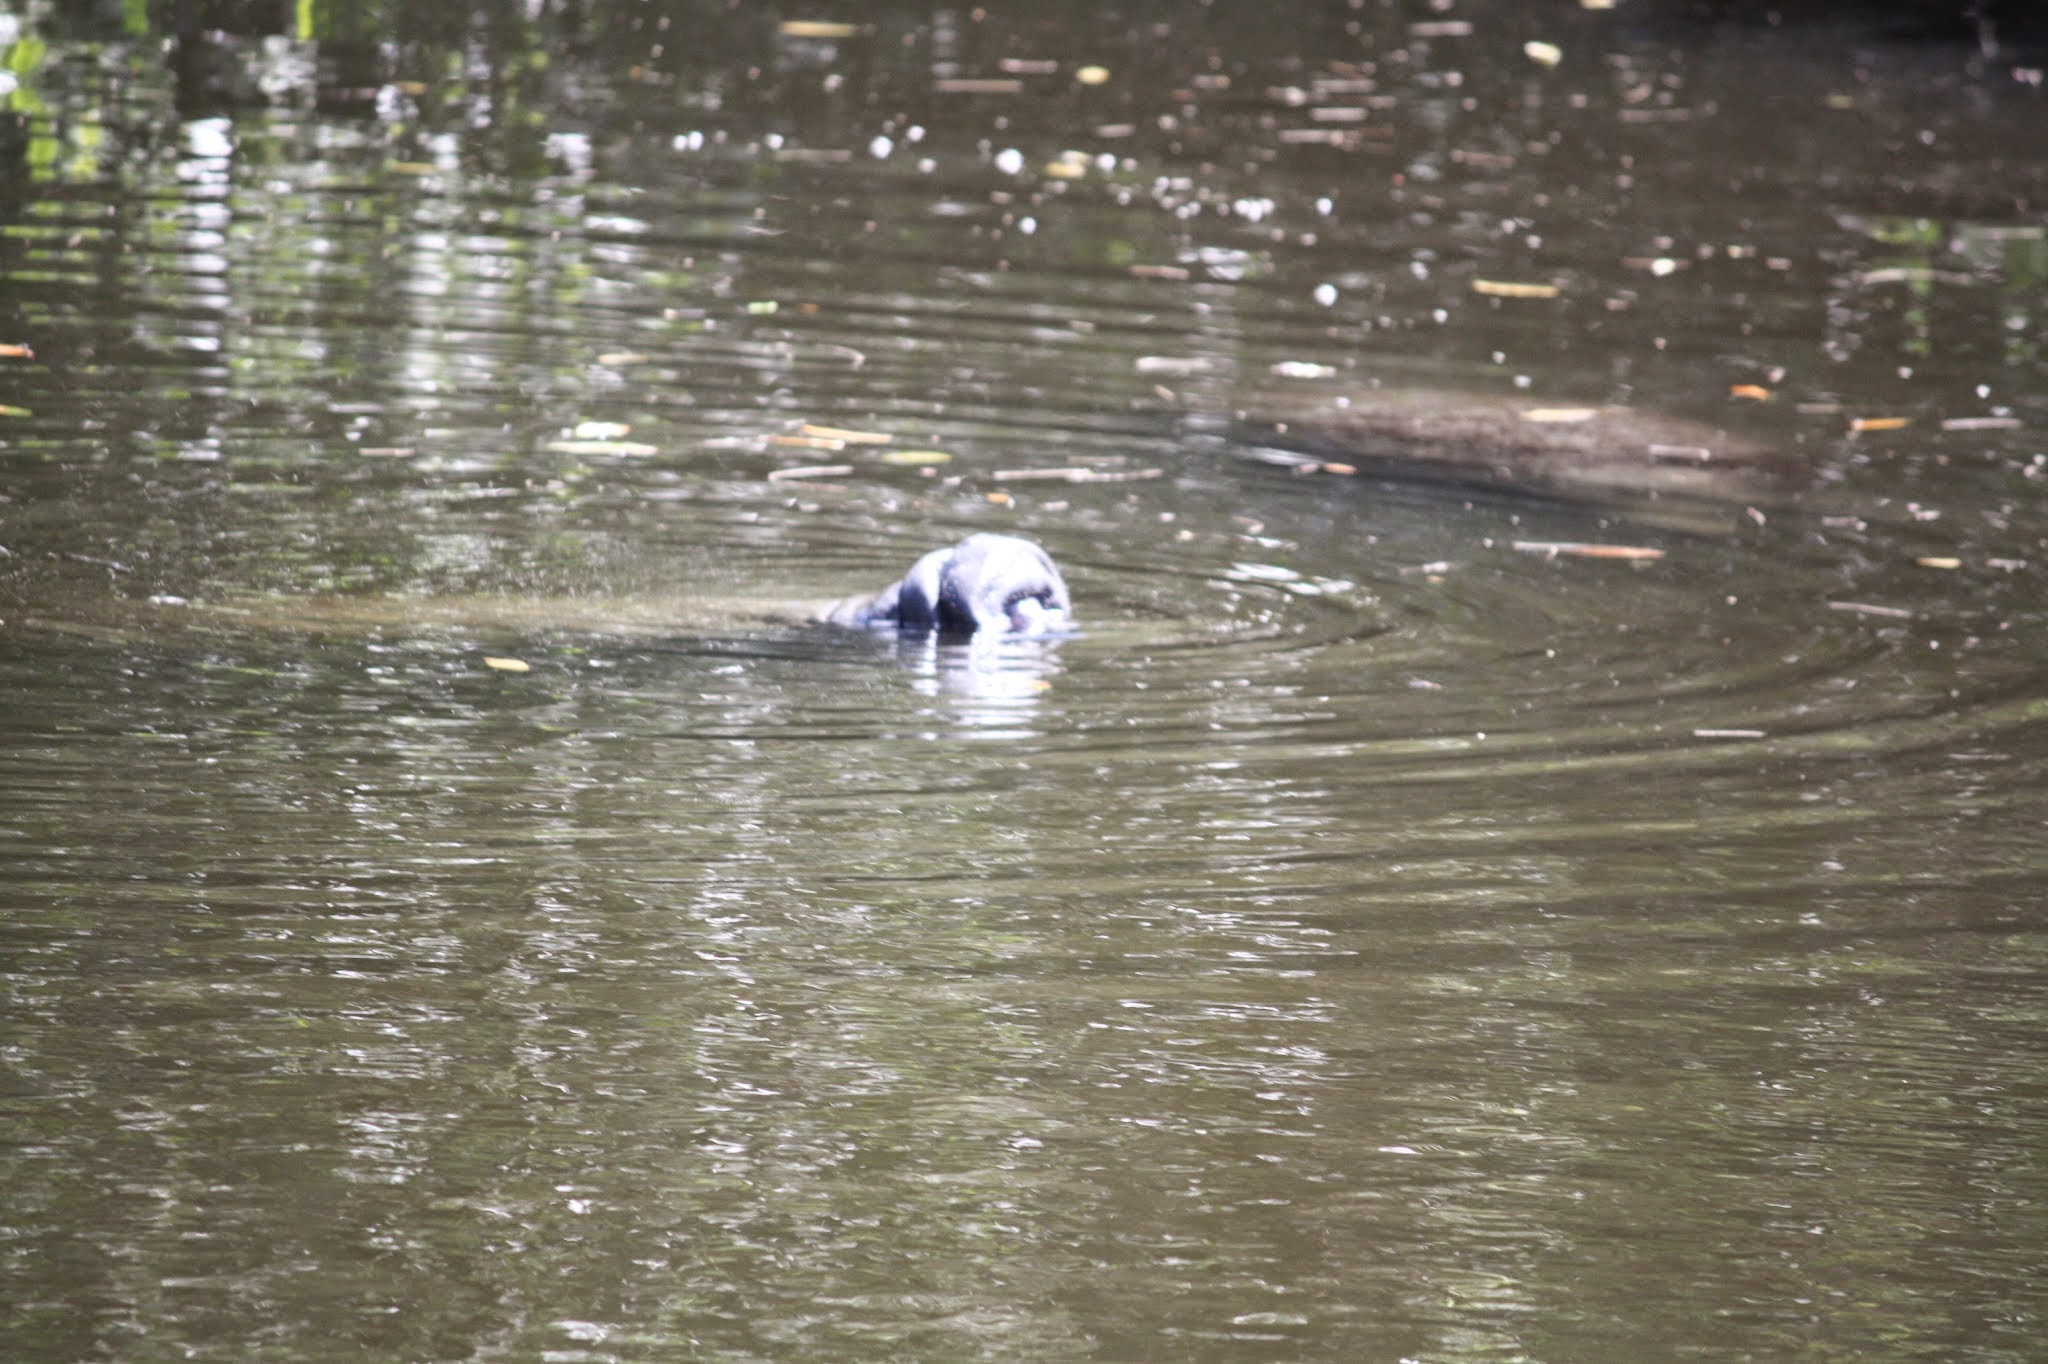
1326	294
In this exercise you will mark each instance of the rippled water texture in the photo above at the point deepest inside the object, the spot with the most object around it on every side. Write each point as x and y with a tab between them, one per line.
457	905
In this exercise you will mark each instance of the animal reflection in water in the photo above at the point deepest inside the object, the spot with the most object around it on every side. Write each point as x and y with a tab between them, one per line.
986	584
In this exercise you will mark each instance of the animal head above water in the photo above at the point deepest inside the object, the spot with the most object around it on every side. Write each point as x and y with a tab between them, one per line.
986	583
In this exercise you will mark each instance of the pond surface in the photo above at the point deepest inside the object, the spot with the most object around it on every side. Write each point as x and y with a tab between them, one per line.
456	907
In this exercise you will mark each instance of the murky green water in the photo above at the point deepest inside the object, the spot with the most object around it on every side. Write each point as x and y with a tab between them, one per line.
1372	937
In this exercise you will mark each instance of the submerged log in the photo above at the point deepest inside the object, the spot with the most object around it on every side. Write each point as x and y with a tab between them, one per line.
1652	466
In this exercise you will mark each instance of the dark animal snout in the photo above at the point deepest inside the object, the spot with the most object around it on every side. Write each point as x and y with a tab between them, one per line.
992	583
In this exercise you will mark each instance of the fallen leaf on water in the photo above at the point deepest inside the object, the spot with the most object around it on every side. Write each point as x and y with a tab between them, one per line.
9	410
1581	550
844	436
1754	392
1503	288
1002	499
916	457
801	471
507	665
14	352
1861	424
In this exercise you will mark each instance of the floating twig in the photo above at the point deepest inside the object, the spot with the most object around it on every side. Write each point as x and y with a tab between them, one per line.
1581	550
1864	608
1075	475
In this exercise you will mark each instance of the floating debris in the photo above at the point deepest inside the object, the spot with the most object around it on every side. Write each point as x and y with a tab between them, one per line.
507	665
1068	165
823	156
601	447
978	85
916	457
1578	549
816	28
600	430
1502	288
1076	474
1981	423
1755	393
1092	75
1864	608
1560	415
1729	734
1174	364
1913	274
12	351
797	472
824	443
1543	54
1859	425
1938	561
844	436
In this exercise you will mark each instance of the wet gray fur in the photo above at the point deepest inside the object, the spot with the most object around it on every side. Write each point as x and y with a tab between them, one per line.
986	583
